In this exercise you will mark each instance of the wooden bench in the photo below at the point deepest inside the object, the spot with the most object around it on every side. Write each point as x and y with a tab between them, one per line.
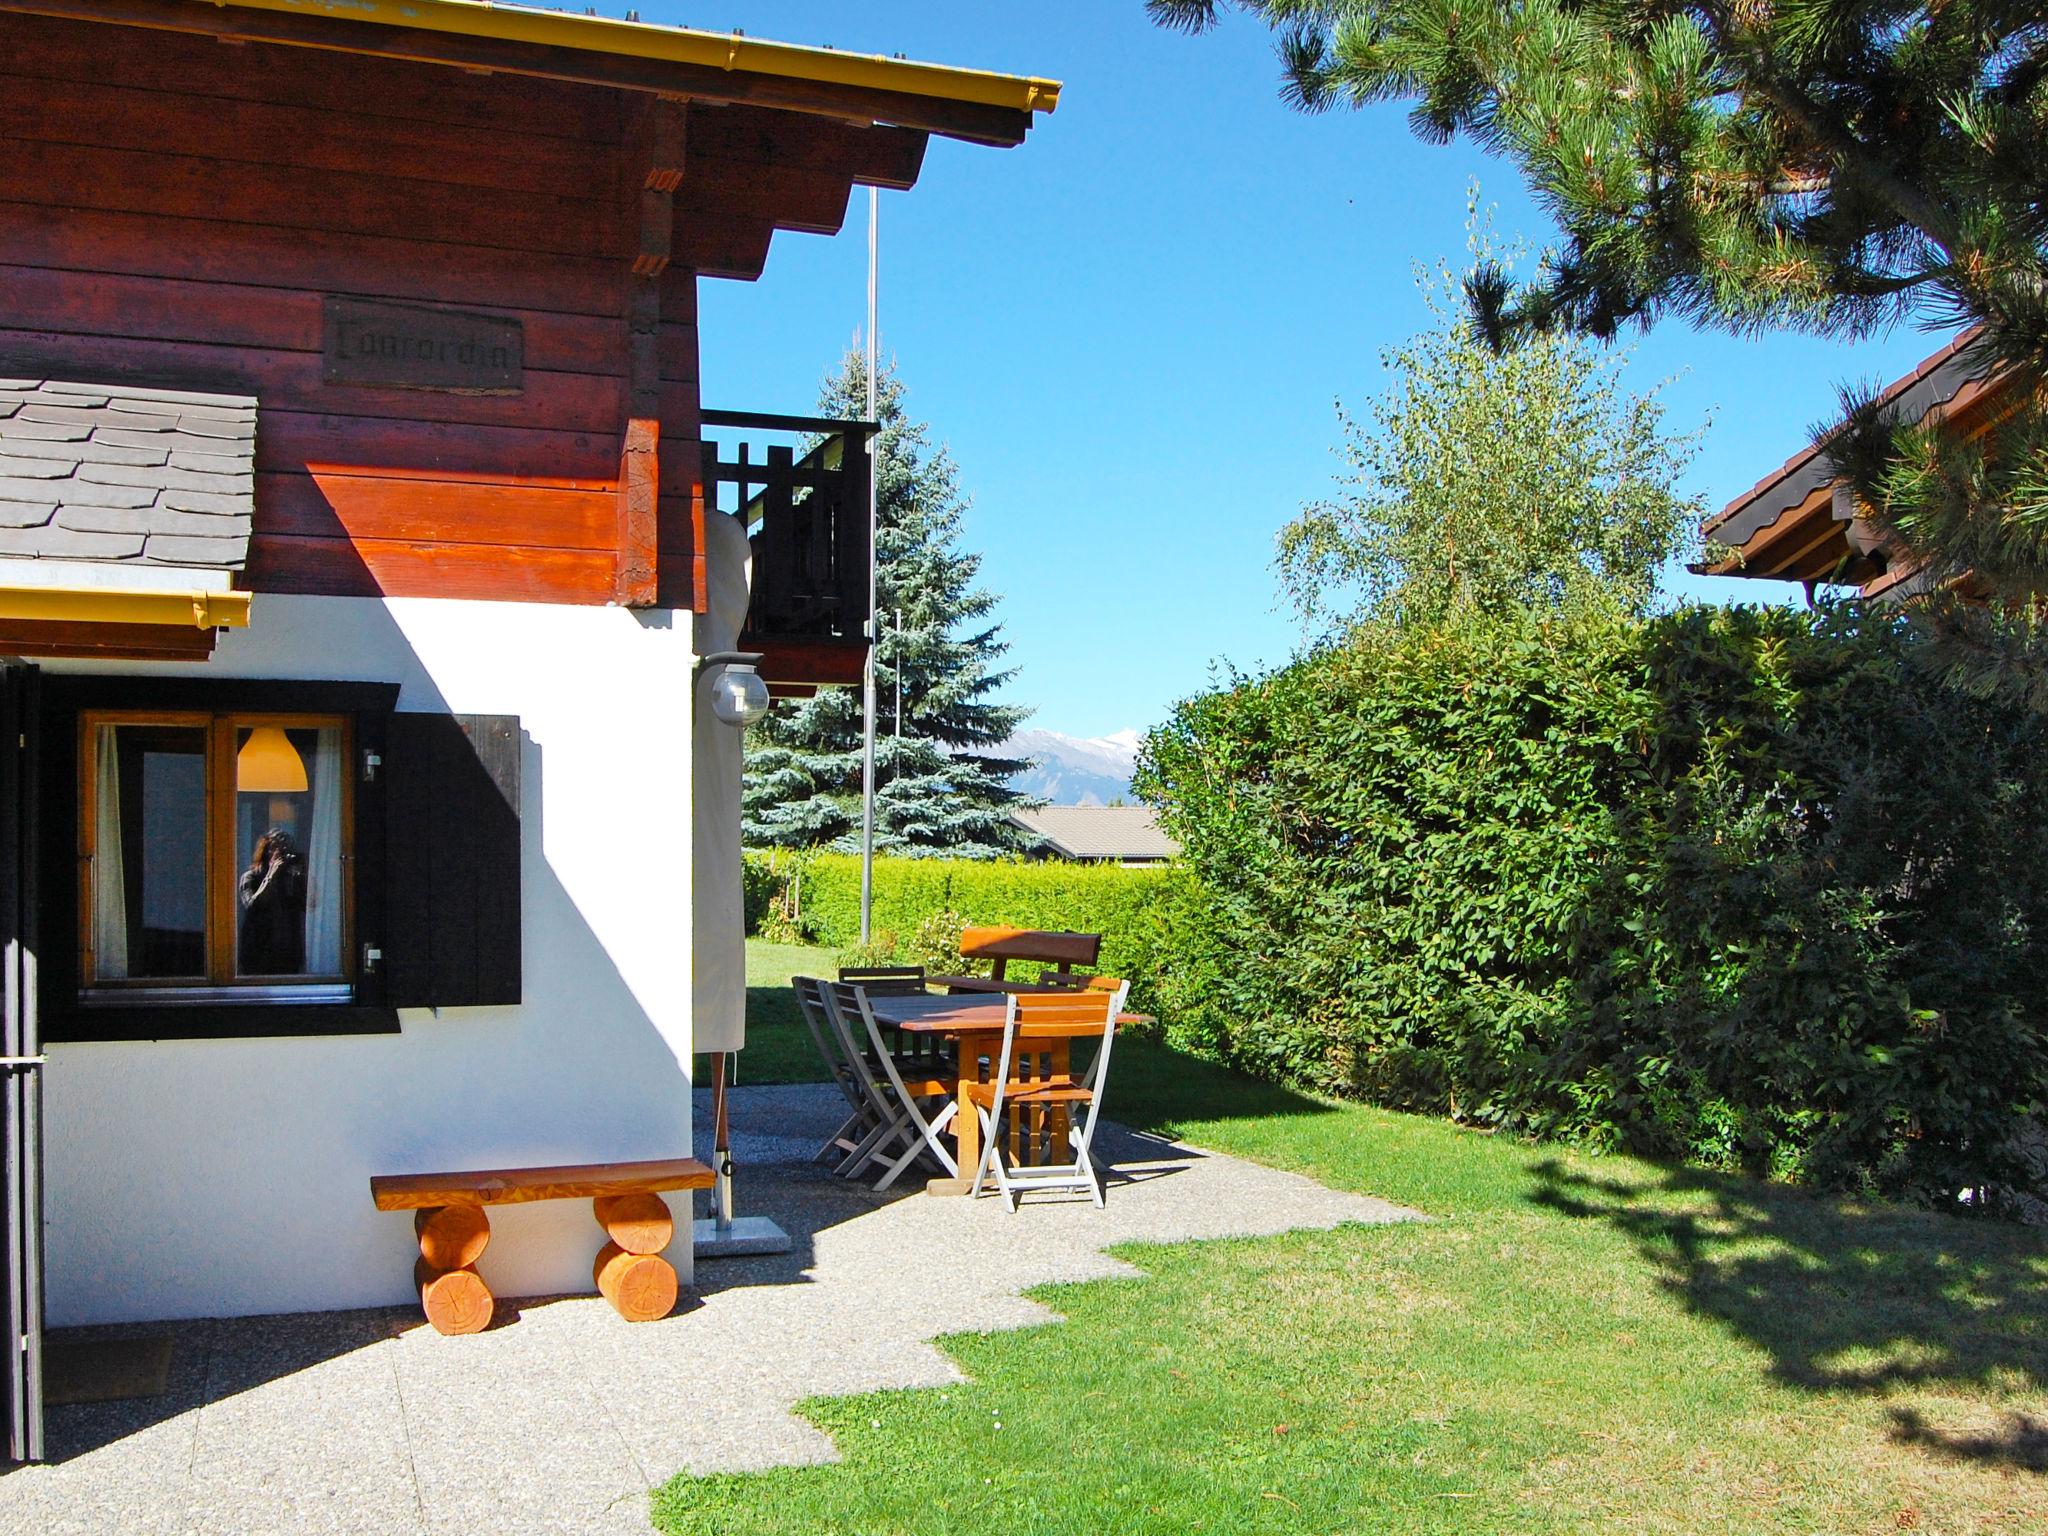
1061	950
449	1220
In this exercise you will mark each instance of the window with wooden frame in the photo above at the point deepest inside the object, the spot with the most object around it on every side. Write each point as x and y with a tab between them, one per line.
240	857
216	857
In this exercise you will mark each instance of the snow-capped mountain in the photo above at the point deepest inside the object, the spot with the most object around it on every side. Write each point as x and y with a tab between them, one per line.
1073	770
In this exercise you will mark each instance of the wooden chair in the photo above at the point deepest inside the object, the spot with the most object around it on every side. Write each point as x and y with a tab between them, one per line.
861	1119
1077	1015
898	1087
885	980
1059	949
924	1055
999	946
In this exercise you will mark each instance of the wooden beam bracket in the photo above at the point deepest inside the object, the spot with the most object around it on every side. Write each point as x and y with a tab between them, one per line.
653	172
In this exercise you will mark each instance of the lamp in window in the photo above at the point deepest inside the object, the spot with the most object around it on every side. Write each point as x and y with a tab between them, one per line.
269	764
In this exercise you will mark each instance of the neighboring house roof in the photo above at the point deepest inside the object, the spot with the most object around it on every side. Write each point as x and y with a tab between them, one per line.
115	473
1098	831
1799	524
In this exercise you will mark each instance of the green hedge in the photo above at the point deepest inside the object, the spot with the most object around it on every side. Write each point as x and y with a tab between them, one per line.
1123	905
1751	886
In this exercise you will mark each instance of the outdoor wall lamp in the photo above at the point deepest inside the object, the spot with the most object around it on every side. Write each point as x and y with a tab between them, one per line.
738	696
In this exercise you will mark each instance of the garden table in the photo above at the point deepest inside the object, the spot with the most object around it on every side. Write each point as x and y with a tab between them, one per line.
976	1023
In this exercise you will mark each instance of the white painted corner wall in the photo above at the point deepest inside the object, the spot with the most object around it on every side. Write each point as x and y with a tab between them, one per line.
231	1177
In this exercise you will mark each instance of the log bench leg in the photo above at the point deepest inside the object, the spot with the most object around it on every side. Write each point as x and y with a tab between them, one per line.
629	1271
452	1294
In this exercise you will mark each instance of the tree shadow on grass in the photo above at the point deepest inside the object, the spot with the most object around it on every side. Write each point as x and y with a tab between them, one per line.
1845	1297
1155	1088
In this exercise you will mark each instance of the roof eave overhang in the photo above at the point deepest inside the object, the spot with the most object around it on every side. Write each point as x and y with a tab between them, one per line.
976	105
1951	381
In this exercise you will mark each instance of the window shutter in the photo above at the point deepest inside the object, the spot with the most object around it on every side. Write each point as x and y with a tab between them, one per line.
450	885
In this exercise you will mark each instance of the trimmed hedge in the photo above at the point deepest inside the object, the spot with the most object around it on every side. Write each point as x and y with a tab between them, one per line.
1750	886
1123	905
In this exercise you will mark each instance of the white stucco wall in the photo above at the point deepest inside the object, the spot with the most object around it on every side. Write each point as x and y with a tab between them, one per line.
229	1177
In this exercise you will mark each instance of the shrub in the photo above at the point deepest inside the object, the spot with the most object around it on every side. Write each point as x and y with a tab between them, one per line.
1745	885
921	905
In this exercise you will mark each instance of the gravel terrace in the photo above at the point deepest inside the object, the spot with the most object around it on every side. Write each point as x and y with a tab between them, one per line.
560	1417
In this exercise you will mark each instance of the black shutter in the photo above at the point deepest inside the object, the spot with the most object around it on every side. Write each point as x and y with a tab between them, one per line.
449	925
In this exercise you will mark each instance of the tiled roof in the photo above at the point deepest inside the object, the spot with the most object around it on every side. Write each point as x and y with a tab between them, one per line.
1098	831
1935	382
110	472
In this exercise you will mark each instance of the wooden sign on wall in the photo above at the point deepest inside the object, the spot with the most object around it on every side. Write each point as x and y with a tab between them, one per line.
414	346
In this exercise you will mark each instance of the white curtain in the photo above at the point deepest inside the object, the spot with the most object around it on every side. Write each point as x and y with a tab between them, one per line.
323	861
109	868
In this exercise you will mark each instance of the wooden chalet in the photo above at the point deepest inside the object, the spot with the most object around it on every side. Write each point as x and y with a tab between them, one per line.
365	549
1800	523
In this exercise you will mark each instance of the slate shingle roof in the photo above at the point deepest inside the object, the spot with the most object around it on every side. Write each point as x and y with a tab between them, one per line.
112	472
1098	831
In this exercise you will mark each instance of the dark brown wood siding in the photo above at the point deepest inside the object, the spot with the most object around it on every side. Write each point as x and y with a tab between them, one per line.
175	211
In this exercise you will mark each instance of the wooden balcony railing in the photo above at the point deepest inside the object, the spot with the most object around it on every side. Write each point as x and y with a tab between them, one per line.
805	504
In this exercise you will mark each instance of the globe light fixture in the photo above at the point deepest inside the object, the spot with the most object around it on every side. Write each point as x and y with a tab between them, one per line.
738	696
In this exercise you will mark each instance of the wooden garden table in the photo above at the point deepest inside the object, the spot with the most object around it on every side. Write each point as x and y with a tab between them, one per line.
975	1022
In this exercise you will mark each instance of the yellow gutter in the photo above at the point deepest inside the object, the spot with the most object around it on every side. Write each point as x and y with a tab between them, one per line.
116	605
682	45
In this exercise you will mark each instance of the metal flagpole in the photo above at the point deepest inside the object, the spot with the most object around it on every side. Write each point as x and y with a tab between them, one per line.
867	687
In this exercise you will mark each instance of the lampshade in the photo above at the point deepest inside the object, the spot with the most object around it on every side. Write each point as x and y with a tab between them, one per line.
269	764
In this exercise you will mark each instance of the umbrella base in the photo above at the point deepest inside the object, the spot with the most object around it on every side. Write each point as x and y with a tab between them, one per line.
742	1237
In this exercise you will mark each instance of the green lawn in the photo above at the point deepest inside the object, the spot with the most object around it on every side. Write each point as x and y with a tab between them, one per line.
779	1048
1572	1344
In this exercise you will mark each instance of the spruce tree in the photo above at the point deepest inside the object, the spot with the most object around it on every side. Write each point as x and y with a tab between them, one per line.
937	792
1834	166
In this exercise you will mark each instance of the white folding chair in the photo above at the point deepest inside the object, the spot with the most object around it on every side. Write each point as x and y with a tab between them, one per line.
860	1119
920	1133
1029	1019
895	1086
886	1128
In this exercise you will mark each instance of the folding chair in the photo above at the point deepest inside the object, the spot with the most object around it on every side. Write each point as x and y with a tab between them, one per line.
920	1055
892	980
908	1125
885	1129
861	1118
1077	1016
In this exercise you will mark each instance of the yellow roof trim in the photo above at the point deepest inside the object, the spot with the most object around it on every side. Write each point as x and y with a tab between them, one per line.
682	45
118	605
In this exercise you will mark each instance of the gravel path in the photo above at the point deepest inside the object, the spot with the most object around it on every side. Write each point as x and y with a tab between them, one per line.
561	1417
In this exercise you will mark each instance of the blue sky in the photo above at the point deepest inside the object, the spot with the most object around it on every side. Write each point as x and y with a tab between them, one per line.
1131	330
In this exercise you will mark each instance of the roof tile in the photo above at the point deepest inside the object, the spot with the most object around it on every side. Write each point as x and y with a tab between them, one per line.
212	463
179	397
152	520
16	473
88	493
17	447
114	472
52	543
25	514
239	482
128	438
174	549
28	426
205	501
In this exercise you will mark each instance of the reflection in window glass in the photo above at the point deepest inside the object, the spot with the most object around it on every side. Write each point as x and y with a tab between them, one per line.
149	851
288	851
